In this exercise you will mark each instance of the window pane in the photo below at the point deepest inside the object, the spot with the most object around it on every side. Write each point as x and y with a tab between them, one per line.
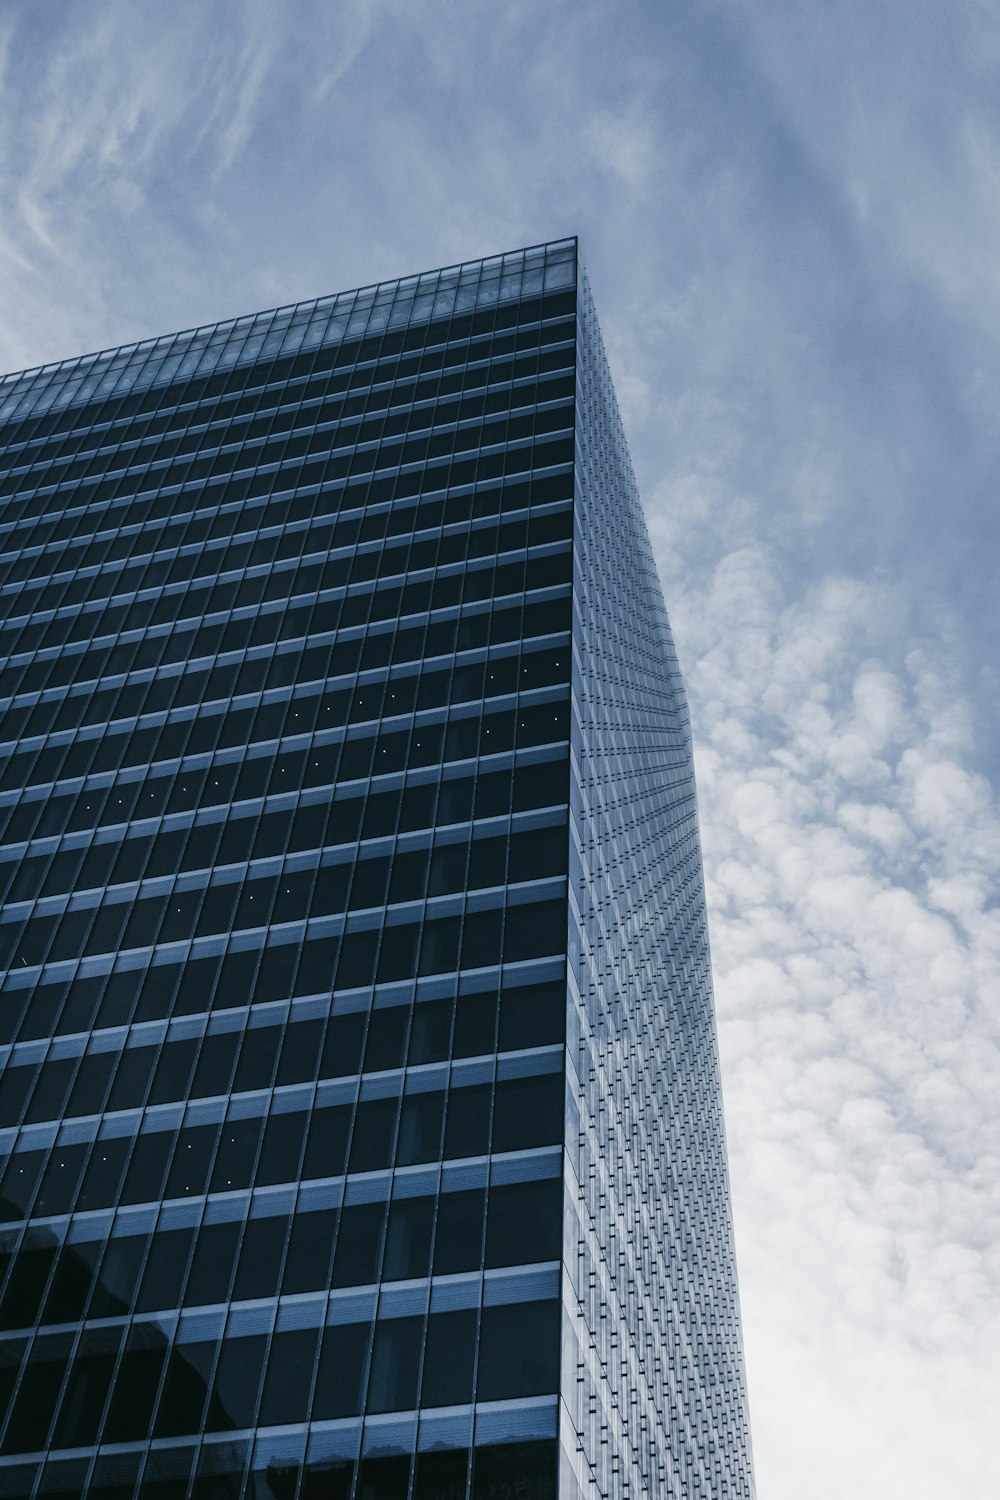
518	1351
449	1358
395	1364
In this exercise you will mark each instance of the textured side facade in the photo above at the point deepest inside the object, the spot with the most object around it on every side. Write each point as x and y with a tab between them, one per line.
653	1388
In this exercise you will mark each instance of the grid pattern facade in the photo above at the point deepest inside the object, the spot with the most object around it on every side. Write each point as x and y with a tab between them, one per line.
298	622
653	1388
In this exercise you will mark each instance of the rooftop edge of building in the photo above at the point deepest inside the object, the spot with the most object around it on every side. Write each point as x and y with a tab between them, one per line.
398	303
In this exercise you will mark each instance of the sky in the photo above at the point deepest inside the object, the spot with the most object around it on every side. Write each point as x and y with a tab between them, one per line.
790	215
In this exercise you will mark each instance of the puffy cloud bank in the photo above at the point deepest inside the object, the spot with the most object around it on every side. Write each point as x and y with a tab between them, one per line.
851	861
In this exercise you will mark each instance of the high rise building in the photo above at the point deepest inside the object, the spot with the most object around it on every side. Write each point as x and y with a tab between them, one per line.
361	1120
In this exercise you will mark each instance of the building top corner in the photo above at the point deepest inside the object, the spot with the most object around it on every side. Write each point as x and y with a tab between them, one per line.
296	327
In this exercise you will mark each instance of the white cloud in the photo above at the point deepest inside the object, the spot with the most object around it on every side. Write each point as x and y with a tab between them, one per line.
850	862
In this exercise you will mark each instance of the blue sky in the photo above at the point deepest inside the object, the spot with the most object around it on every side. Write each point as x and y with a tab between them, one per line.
790	215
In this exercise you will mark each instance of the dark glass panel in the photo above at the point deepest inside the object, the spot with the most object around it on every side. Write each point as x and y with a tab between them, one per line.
537	853
449	1360
458	1242
430	1031
212	1266
236	1386
417	807
307	1266
329	898
383	1478
300	1052
91	1085
69	1290
192	1160
527	1470
327	1481
475	1025
185	1389
235	981
234	1163
371	1142
282	1149
43	1011
518	1351
288	1383
370	884
120	1270
532	1017
392	1385
439	947
38	1394
316	965
107	1166
87	1388
408	1239
257	1058
173	1071
61	1480
61	1178
11	1355
261	1253
409	875
51	1089
326	1148
17	1083
131	1411
276	973
481	939
533	931
356	967
167	1473
341	1370
529	1112
448	869
385	1046
156	997
26	1283
419	1136
359	1243
13	1004
524	1223
166	1268
132	1077
467	1123
398	954
216	1061
441	1475
543	785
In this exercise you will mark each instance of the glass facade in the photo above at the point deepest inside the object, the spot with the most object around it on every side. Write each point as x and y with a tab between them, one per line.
359	1103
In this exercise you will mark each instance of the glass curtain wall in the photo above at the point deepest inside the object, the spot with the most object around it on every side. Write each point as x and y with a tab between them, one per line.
285	614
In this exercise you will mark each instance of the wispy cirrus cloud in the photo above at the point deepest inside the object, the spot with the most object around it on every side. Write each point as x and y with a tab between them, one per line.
106	114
